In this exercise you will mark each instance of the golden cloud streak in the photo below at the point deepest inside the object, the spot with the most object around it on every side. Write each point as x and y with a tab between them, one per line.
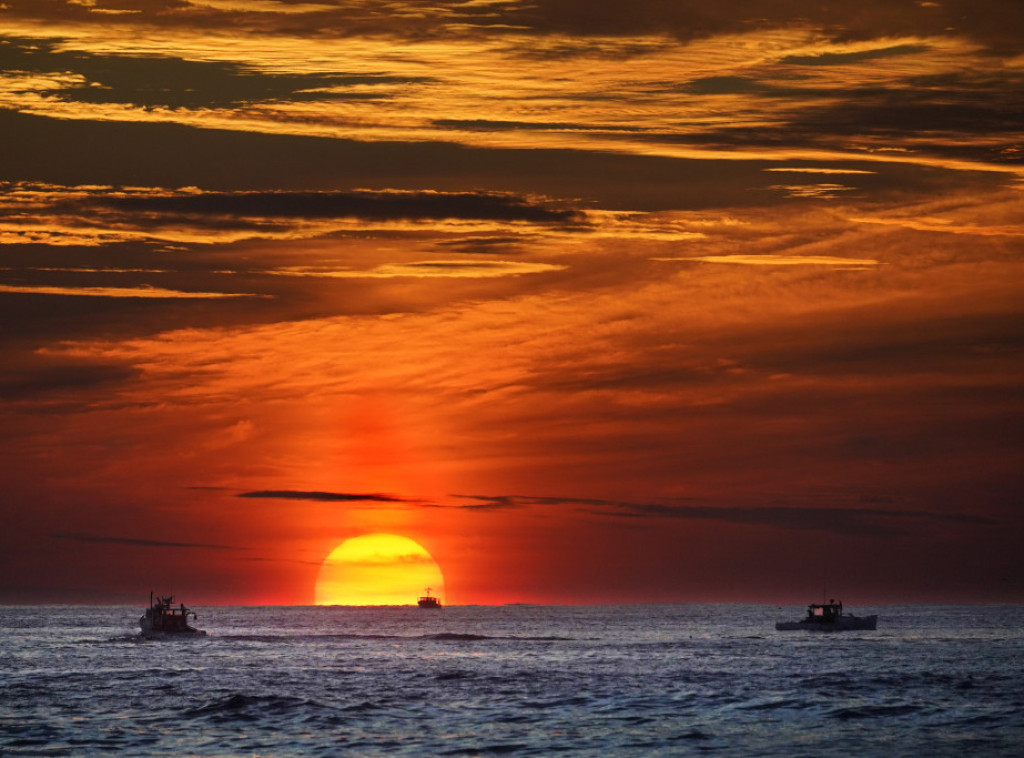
157	293
426	269
949	226
442	90
784	260
820	170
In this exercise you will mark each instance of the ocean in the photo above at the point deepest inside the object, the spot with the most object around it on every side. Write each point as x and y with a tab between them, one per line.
644	680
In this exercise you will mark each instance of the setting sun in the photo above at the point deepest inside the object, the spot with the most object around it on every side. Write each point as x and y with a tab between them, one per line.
377	569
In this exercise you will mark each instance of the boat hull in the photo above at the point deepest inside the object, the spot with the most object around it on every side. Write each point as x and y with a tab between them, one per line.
150	632
841	624
153	634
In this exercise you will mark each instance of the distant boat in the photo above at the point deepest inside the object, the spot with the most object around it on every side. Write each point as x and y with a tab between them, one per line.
828	617
162	619
428	601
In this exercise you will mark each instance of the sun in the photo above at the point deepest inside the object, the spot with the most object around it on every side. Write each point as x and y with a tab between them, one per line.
377	569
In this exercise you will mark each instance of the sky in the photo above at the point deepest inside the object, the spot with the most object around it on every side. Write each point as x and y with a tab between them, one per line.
597	302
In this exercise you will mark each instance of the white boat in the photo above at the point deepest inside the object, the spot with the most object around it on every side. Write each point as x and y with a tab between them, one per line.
828	617
162	620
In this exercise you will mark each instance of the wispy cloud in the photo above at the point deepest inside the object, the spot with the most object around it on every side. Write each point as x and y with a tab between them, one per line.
945	225
866	521
778	259
19	383
869	53
839	520
792	84
426	269
389	559
559	19
146	292
97	214
159	81
365	204
812	170
324	497
138	542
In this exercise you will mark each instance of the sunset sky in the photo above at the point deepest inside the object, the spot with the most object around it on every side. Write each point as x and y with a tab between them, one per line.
661	300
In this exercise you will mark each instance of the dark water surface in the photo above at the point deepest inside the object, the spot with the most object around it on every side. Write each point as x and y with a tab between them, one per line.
513	680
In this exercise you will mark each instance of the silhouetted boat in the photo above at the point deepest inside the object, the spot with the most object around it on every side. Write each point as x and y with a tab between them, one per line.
828	617
162	619
428	601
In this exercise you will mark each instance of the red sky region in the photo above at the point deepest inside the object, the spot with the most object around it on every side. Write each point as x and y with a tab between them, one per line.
596	308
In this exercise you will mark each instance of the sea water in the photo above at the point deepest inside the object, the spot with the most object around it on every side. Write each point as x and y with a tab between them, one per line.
513	680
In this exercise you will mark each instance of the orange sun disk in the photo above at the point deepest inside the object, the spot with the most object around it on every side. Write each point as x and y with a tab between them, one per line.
377	569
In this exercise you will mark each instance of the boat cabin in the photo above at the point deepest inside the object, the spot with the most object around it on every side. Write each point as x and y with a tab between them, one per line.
829	611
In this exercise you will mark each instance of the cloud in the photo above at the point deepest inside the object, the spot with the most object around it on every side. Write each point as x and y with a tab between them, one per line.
839	520
994	26
388	559
946	226
169	155
727	85
161	81
863	521
18	383
494	502
776	75
485	125
381	205
144	291
817	170
856	56
325	497
79	215
263	6
485	245
771	259
84	537
970	114
427	269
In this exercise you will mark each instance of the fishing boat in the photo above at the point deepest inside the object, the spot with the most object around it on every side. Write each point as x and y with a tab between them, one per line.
828	617
428	601
162	619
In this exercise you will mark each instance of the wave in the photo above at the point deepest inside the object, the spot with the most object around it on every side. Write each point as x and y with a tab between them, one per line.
496	749
347	637
771	704
874	711
449	636
304	637
241	707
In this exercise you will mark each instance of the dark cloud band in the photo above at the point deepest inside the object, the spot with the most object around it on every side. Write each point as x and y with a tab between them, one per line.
376	206
83	537
327	497
841	520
